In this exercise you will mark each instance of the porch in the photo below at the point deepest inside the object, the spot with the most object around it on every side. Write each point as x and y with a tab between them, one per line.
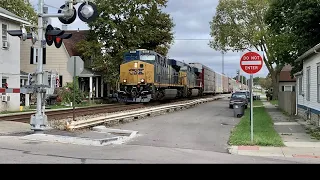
92	85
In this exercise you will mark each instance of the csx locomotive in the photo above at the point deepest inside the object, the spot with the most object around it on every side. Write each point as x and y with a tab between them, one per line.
146	75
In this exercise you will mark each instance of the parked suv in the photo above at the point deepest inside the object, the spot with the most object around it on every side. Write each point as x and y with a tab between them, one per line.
238	97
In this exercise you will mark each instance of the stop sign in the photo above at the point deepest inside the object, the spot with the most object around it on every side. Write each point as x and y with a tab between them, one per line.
251	62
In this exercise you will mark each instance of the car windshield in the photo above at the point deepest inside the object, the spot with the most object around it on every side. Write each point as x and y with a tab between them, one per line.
238	95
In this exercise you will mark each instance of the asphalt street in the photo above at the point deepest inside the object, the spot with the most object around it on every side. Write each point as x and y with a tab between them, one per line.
206	127
196	135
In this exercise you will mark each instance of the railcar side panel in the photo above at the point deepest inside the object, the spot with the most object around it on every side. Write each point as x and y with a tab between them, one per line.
218	83
225	83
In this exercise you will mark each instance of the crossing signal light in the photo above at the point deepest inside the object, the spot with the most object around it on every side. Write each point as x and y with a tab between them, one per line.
22	33
55	35
58	39
72	14
87	12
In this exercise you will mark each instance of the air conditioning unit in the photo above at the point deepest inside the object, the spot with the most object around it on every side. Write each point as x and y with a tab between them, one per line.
5	44
5	98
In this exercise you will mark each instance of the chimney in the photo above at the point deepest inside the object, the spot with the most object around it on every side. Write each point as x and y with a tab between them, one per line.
64	27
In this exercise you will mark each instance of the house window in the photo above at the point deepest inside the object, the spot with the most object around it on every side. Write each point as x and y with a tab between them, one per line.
300	85
293	88
4	30
318	82
4	82
287	88
308	84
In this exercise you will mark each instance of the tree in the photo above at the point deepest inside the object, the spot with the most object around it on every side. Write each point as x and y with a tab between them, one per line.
20	8
265	83
126	25
295	23
239	25
256	80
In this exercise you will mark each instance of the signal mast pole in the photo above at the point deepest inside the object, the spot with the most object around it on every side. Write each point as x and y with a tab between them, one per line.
39	120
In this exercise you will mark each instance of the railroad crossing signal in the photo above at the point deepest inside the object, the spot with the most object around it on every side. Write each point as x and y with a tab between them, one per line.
87	12
251	62
55	35
67	14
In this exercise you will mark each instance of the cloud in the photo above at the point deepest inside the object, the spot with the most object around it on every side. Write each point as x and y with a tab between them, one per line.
191	20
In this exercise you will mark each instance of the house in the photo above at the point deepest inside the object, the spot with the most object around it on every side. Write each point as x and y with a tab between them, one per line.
308	88
56	59
286	82
10	59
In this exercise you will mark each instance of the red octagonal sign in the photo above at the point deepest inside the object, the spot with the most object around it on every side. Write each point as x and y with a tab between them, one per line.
251	62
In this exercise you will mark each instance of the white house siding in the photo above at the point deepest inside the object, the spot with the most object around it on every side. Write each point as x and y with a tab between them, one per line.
10	66
312	106
56	60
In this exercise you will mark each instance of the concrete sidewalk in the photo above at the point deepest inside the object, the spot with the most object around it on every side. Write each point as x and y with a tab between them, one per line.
294	152
296	140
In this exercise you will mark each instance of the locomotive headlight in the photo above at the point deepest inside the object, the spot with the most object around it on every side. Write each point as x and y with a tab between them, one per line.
124	80
142	80
135	65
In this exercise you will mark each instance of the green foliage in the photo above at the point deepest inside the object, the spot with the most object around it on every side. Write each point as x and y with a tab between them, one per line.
256	80
125	25
239	25
265	83
20	8
296	24
67	93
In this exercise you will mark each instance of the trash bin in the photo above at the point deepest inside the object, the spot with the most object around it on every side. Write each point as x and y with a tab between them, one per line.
238	109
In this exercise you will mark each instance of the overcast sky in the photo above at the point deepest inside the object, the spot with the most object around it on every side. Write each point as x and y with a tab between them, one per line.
192	22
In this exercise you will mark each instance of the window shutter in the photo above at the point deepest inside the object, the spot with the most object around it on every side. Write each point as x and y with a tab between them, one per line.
44	55
31	55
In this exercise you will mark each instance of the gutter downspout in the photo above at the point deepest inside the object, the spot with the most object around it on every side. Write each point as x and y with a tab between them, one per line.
297	98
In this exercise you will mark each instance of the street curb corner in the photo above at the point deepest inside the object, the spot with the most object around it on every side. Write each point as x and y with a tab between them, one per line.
232	150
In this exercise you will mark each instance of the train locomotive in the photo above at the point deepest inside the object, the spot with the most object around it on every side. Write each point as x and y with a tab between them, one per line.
146	76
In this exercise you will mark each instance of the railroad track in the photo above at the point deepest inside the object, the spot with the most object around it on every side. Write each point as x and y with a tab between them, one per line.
85	111
65	113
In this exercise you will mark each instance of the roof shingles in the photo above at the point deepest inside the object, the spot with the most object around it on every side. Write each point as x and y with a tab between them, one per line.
285	74
71	43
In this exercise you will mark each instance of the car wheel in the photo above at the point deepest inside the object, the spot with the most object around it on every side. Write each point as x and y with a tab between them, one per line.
230	106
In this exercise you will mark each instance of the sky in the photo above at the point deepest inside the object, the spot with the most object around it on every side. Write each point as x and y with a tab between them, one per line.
191	20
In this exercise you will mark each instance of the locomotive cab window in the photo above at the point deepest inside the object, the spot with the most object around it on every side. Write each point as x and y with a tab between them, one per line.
147	57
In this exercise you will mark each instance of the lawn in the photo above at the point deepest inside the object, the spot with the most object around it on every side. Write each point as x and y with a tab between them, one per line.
274	102
257	103
264	133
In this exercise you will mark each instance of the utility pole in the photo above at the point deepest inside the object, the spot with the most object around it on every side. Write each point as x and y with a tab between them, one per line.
222	62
